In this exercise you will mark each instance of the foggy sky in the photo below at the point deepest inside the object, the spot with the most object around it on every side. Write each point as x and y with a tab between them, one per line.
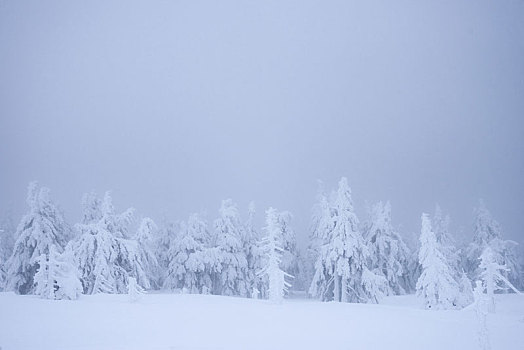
175	105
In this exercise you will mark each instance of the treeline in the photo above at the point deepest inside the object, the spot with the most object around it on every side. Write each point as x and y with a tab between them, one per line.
346	260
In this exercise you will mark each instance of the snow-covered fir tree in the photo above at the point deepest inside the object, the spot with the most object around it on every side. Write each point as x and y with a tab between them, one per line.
341	271
2	278
492	275
485	229
7	242
321	224
145	237
42	227
257	283
321	286
103	256
231	277
7	237
271	245
487	232
446	243
2	263
290	254
440	224
188	268
164	240
389	255
506	252
412	241
513	259
56	277
436	285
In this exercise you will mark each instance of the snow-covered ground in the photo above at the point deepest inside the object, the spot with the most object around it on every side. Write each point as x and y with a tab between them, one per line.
173	321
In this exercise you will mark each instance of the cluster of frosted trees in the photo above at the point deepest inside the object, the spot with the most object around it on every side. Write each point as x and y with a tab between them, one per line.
353	261
103	254
346	261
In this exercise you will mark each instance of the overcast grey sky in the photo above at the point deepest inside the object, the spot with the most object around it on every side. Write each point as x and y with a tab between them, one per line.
175	105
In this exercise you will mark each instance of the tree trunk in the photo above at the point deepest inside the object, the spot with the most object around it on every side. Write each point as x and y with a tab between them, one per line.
336	291
345	290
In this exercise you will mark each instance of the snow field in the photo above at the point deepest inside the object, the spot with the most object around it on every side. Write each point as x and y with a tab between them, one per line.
177	321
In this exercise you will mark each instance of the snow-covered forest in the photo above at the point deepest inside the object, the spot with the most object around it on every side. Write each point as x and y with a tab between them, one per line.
261	175
346	260
118	252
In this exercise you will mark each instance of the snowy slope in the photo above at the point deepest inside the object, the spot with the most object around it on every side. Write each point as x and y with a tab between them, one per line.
166	321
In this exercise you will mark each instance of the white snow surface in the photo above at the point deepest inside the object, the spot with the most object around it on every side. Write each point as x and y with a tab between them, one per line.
181	321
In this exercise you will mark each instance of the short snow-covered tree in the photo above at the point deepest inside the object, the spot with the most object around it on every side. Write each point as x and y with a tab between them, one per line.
465	296
231	277
103	256
273	250
41	228
389	255
56	278
188	265
134	290
436	285
341	271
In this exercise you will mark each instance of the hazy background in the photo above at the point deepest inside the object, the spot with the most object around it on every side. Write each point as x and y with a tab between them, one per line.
175	105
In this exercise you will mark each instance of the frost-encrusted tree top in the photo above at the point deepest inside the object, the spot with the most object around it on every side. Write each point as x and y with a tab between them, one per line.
91	208
42	227
436	285
485	228
104	257
441	228
389	254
